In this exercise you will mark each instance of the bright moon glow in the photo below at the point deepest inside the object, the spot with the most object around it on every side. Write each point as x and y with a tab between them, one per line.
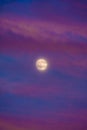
41	64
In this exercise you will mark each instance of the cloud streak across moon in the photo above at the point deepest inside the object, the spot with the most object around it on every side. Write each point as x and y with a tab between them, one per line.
41	64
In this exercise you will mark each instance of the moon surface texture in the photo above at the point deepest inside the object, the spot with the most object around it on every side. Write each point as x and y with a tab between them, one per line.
41	64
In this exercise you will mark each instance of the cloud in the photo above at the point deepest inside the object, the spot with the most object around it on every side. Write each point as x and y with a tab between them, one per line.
44	30
68	120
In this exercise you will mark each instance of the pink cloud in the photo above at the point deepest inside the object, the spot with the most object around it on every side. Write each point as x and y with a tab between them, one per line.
74	64
63	120
29	90
49	91
39	29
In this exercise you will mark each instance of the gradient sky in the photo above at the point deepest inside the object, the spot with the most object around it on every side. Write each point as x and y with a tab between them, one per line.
55	30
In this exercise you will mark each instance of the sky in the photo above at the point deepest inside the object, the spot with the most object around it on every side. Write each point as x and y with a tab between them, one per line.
55	30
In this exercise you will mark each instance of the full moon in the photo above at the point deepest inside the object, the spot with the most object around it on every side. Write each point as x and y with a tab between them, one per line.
41	64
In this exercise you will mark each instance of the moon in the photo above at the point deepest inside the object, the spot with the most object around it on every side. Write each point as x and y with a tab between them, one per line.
41	64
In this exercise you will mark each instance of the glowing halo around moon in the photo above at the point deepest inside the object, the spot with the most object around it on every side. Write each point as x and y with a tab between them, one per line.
41	64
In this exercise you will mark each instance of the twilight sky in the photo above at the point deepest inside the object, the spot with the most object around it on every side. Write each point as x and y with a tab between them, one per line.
55	30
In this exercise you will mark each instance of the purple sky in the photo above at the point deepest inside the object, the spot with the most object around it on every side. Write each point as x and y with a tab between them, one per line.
57	31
